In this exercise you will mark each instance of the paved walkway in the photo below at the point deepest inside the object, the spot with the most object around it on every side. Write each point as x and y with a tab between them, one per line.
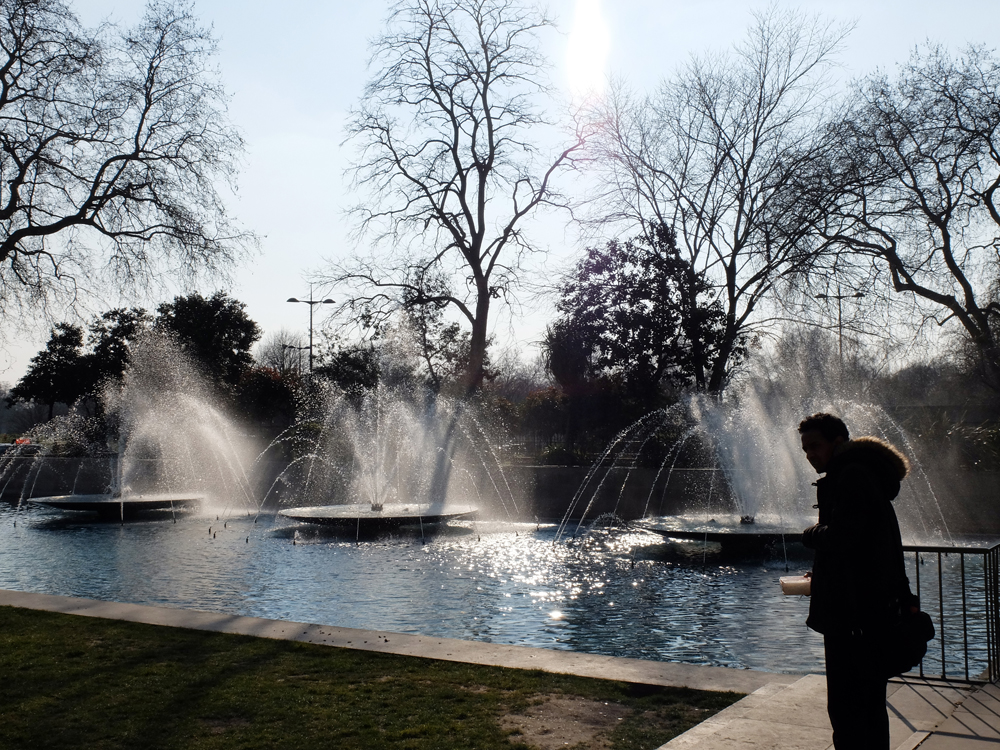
793	717
781	712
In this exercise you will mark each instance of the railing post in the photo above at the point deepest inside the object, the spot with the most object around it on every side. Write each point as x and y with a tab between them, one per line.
991	570
916	568
965	618
941	638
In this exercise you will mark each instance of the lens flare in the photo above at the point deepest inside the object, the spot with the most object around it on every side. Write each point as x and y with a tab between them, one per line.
587	51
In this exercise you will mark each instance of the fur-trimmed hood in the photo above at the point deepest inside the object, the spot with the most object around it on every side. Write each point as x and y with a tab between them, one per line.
872	450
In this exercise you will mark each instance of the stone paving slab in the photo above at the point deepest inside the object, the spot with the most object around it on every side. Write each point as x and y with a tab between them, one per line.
802	704
667	674
975	725
793	717
922	707
785	717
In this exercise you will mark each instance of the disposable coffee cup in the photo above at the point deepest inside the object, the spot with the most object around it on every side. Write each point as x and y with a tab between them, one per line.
796	585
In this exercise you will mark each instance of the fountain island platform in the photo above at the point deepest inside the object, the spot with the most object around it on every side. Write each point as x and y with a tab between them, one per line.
362	515
122	505
733	535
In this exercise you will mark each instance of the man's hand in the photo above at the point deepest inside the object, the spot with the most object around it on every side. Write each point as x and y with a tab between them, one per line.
812	537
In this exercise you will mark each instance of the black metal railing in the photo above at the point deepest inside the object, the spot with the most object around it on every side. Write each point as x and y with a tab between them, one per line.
962	594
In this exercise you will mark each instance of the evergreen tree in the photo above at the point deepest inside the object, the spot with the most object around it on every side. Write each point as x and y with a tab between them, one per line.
56	375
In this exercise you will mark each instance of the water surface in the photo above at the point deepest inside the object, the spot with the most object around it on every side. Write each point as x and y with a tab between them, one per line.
621	593
615	592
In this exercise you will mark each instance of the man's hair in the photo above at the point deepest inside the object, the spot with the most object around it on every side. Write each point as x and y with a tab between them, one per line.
827	425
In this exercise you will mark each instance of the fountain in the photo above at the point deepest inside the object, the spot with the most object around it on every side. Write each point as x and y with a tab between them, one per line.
170	447
394	457
756	491
389	458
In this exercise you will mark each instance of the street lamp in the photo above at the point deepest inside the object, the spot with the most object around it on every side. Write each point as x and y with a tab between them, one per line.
311	302
840	325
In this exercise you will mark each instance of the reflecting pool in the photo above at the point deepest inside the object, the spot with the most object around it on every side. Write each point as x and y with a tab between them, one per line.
616	592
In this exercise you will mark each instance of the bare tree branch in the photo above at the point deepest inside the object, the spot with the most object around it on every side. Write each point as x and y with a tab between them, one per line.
112	147
713	153
449	162
915	176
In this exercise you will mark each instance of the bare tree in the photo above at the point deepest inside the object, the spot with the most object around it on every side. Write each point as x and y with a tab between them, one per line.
915	180
712	153
514	377
450	163
113	144
282	351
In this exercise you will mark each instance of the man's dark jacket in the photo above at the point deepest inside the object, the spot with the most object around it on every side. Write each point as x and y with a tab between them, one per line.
859	581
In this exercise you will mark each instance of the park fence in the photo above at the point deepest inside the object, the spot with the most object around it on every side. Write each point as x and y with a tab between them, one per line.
959	587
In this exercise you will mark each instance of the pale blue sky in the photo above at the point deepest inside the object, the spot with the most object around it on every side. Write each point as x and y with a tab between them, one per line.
294	70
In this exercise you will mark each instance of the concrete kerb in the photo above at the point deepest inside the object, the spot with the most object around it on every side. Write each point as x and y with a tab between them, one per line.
666	674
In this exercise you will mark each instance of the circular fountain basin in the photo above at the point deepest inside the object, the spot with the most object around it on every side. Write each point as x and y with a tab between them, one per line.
123	505
361	515
734	536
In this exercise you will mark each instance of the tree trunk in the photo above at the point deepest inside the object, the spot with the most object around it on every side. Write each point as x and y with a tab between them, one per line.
720	367
478	343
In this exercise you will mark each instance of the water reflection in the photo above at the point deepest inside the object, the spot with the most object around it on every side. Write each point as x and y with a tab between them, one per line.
607	592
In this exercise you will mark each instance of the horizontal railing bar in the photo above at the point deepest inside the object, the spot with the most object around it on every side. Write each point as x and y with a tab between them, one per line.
951	549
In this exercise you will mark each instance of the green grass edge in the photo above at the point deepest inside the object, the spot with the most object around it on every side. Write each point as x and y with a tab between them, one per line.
72	681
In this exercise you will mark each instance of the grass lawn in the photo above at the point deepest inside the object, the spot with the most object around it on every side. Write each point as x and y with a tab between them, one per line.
69	682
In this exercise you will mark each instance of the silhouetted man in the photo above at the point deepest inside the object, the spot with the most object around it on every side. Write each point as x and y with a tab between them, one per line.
859	583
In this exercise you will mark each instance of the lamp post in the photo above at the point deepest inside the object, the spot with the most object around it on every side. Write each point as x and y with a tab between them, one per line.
311	302
840	325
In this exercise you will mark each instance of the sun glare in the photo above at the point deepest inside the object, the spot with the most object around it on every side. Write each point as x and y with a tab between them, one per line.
587	50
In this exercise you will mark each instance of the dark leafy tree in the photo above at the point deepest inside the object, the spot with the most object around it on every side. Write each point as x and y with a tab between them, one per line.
449	162
568	354
636	325
354	369
58	373
266	398
110	339
215	331
636	312
67	372
113	147
545	414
